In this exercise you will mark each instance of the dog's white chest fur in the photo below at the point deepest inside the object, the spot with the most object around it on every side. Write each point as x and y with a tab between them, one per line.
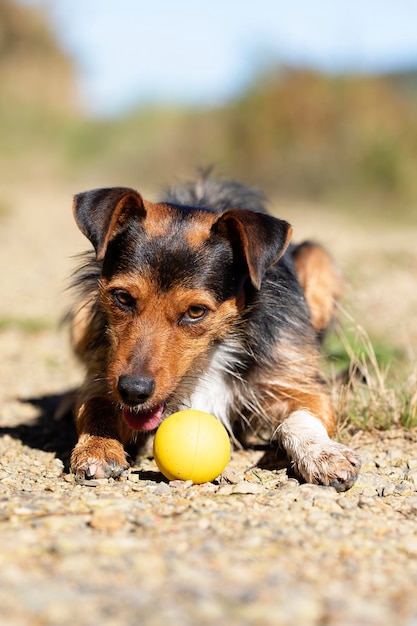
213	392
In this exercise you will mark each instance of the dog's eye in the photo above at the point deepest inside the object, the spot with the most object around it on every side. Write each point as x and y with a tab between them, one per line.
194	313
123	299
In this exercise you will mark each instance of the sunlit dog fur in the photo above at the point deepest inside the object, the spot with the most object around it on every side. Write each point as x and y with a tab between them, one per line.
201	301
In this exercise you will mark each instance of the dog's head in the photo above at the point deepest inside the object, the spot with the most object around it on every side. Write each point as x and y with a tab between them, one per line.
173	283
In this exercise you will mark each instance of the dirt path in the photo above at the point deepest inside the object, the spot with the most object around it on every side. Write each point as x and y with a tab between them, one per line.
255	548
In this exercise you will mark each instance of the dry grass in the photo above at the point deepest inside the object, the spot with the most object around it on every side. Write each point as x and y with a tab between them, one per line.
376	391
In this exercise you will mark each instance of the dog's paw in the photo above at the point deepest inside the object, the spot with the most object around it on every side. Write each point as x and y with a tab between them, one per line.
98	457
332	464
315	457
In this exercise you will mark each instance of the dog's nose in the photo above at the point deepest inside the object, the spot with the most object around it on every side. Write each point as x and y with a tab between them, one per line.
135	389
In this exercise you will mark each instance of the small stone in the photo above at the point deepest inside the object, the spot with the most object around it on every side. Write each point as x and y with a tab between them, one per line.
225	490
412	477
326	504
133	477
144	520
412	502
230	475
89	482
140	486
244	487
369	492
410	547
412	463
317	491
180	484
107	520
348	504
388	490
404	488
162	489
25	510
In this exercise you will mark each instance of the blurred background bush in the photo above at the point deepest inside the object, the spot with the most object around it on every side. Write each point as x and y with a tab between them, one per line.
299	134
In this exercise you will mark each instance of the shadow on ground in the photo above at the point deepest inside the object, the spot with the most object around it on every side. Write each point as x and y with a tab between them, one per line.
46	432
54	431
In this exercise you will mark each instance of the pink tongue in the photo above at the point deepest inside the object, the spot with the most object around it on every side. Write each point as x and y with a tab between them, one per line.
145	420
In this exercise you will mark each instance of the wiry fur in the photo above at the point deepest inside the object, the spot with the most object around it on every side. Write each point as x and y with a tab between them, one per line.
218	195
256	363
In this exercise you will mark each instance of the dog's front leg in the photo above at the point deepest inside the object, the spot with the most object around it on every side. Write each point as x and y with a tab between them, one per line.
99	452
305	436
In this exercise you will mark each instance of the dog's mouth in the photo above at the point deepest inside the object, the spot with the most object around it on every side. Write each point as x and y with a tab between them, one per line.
144	420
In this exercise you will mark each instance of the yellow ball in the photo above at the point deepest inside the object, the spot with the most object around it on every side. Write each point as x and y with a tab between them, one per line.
191	445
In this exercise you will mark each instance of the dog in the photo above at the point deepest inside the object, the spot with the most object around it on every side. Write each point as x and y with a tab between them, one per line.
201	301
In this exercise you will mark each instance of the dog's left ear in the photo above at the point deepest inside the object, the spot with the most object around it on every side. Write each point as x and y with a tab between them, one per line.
101	213
262	238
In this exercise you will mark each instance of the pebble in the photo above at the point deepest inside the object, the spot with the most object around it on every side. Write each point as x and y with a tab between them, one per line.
404	488
107	520
410	547
180	484
348	504
388	489
230	475
162	489
369	492
245	487
412	477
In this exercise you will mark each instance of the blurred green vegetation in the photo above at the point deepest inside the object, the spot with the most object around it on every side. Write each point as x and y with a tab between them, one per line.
345	349
349	140
27	325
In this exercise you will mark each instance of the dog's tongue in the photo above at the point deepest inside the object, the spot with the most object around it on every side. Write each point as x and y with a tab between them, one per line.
144	420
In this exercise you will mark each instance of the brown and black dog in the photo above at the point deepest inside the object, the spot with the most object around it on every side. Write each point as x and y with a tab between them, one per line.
201	301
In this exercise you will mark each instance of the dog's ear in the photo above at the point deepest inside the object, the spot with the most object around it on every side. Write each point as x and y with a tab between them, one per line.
262	238
101	213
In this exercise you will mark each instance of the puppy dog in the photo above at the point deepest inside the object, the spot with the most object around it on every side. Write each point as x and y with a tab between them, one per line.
201	301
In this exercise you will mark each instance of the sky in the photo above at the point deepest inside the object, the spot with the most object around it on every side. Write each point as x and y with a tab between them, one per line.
132	52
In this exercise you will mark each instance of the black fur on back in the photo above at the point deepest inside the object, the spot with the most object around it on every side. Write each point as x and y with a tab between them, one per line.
218	195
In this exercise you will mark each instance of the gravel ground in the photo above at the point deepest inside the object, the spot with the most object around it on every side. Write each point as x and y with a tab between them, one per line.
255	547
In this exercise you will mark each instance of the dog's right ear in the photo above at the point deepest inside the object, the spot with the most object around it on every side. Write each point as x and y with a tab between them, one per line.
260	239
101	213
